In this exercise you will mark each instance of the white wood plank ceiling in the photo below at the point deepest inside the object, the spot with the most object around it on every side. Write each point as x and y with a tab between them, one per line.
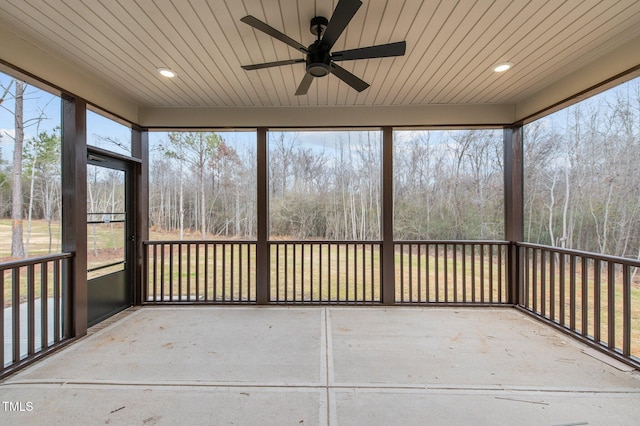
451	47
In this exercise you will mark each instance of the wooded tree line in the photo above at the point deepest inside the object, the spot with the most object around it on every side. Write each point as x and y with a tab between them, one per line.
582	183
447	185
582	175
200	183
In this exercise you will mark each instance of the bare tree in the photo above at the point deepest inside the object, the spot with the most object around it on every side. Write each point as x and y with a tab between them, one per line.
17	245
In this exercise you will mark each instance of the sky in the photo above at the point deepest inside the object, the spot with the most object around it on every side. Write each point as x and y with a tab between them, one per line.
103	132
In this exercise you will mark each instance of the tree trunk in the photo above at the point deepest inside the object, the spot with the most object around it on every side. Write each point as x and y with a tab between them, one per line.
552	202
17	247
181	201
203	210
30	210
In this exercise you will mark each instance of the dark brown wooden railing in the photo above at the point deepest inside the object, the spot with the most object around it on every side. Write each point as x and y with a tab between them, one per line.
589	295
200	272
35	317
469	272
325	272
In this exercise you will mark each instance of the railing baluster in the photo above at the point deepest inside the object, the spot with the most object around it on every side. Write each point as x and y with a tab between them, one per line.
215	272
249	252
231	272
329	274
188	272
320	291
15	310
585	298
626	310
364	276
446	273
402	290
552	286
311	259
277	273
180	272
206	272
44	305
171	272
534	286
543	283
500	270
338	278
294	275
239	295
464	273
482	273
31	314
2	304
562	284
56	299
492	298
302	266
611	305
597	302
572	292
346	272
437	272
473	273
286	272
197	272
154	266
224	272
162	288
355	273
371	257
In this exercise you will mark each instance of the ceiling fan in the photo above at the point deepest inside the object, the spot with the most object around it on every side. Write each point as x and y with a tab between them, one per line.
318	57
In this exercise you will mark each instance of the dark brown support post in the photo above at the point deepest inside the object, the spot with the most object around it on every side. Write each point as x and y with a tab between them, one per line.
74	215
388	264
140	150
263	272
513	207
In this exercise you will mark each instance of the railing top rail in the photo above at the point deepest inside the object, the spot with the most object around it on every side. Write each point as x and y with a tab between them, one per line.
590	255
325	242
33	260
159	242
466	242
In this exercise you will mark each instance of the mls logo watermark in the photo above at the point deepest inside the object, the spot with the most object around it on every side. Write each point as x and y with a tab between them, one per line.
17	406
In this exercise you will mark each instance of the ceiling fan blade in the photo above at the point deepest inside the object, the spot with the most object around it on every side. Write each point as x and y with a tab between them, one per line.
261	26
342	15
303	88
271	64
379	51
348	78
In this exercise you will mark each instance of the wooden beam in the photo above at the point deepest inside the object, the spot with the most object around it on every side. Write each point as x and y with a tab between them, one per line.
514	206
388	263
74	214
140	150
263	257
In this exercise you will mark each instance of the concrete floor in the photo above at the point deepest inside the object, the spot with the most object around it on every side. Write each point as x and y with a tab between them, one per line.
323	366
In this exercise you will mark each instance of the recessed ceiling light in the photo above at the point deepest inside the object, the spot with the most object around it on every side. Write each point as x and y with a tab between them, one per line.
166	72
502	67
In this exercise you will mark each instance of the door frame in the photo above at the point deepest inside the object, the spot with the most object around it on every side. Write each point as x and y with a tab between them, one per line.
98	287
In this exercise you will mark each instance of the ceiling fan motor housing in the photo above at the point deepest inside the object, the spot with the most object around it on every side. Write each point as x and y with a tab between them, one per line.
318	60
